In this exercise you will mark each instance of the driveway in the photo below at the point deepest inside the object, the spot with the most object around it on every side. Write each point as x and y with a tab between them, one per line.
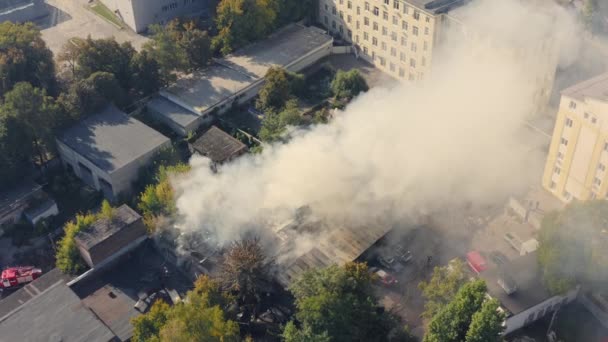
72	18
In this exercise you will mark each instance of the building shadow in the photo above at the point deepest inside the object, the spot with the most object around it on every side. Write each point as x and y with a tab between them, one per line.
54	17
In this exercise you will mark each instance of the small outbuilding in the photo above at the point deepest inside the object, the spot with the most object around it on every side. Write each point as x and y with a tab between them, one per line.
112	236
106	150
218	146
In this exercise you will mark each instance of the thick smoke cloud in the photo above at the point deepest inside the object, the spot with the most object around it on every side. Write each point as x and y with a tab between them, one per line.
403	151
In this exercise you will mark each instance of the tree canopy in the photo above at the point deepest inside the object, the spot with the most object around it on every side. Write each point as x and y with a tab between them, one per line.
442	287
199	318
467	317
275	125
25	58
279	87
337	303
574	246
68	257
348	84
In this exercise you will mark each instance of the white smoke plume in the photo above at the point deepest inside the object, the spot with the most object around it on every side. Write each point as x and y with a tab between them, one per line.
397	152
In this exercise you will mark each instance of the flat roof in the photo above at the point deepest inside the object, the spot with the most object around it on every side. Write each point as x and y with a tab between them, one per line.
13	197
205	88
437	6
29	291
102	229
525	273
54	315
112	294
172	111
595	88
218	145
111	139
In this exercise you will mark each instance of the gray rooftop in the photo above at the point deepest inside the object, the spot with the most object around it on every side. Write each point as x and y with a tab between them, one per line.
56	314
111	139
525	273
436	6
595	88
218	145
174	112
13	198
205	88
102	229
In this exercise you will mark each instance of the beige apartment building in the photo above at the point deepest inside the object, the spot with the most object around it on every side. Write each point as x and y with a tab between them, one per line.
396	36
578	156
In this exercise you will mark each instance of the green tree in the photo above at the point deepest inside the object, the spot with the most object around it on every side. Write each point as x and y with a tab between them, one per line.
291	333
147	78
276	90
348	84
240	22
338	304
574	246
275	125
452	322
487	323
246	271
36	116
442	287
198	318
90	95
15	150
291	11
25	58
68	258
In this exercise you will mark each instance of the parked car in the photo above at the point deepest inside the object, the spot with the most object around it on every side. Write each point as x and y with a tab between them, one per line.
387	262
403	256
384	277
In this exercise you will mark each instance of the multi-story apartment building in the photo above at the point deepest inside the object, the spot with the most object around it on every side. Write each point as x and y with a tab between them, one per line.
397	36
577	163
139	14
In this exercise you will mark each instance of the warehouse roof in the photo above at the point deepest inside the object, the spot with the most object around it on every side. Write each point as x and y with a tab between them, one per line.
218	145
54	315
172	111
206	88
111	139
595	88
102	229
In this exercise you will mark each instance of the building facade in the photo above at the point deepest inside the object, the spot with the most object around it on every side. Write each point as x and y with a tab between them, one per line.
578	156
396	36
139	14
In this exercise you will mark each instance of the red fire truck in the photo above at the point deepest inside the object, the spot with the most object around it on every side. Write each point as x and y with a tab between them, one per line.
15	276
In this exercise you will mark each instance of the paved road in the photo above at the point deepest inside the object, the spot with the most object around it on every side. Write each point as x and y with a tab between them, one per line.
71	18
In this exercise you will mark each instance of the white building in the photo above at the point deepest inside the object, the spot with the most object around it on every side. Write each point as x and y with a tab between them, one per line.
107	150
194	99
139	14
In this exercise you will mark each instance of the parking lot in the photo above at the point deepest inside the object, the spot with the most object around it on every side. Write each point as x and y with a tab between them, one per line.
72	18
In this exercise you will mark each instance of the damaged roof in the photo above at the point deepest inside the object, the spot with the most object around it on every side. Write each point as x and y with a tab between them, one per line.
102	229
218	145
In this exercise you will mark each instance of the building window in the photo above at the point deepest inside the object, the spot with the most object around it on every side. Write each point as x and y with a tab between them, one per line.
414	47
393	52
349	4
572	105
601	167
395	20
423	61
426	31
403	41
350	33
392	67
402	56
349	18
557	170
404	25
606	147
386	2
417	14
385	15
365	50
594	120
375	26
333	10
341	29
326	8
383	46
564	142
394	36
376	11
356	38
405	9
568	122
333	24
414	30
367	6
412	62
597	181
567	195
358	10
428	19
341	15
365	36
552	185
382	61
396	4
425	46
366	21
374	41
341	2
326	20
401	72
357	25
560	156
384	31
586	115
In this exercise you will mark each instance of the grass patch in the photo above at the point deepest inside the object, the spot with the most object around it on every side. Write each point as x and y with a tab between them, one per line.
104	12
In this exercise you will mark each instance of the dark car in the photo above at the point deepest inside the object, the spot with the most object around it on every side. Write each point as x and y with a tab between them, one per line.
387	262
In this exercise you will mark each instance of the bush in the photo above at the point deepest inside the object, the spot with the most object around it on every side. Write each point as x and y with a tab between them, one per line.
349	84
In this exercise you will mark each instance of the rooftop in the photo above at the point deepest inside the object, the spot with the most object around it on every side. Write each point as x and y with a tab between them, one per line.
111	295
437	6
102	229
53	315
595	88
174	112
524	272
13	198
218	145
111	139
205	88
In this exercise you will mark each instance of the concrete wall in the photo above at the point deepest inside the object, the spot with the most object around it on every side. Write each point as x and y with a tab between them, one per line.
139	14
25	11
116	242
536	312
